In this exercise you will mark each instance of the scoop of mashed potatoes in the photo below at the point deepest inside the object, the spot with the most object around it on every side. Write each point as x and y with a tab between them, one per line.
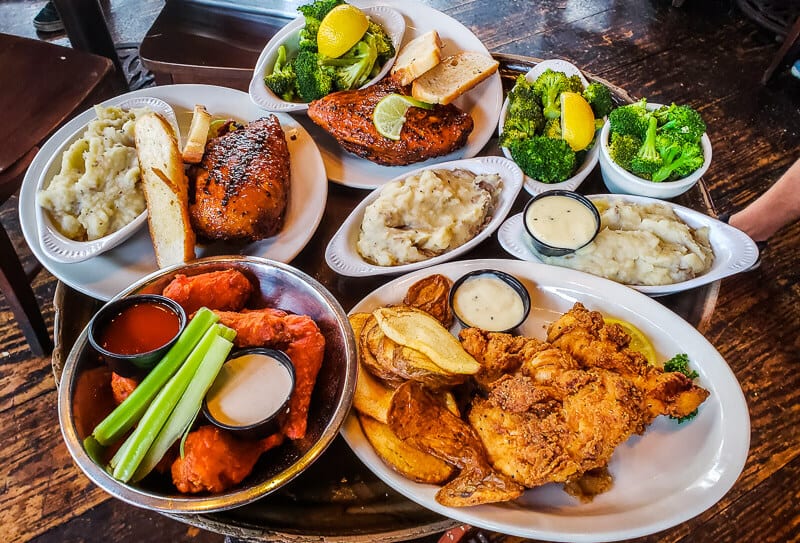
642	245
98	188
425	215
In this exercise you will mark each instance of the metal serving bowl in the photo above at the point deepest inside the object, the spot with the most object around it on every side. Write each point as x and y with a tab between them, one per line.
85	393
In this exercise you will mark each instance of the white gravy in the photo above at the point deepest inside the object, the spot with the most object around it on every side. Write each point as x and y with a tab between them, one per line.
561	221
248	389
487	302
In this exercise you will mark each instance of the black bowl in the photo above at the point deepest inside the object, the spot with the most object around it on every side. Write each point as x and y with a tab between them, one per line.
129	365
550	250
269	424
510	280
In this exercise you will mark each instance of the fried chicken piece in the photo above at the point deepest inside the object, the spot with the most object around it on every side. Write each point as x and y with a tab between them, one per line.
432	295
347	116
121	387
584	335
226	290
214	460
256	327
306	349
241	187
498	353
423	421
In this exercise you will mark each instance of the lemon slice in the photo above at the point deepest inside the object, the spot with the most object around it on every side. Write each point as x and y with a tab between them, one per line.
577	121
340	30
639	341
390	114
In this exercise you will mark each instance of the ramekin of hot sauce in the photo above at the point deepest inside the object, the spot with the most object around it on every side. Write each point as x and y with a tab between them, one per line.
132	334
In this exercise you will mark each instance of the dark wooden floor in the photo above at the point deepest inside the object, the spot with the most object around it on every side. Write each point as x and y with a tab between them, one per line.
706	53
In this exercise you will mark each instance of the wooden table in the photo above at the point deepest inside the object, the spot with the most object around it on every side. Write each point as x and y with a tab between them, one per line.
703	54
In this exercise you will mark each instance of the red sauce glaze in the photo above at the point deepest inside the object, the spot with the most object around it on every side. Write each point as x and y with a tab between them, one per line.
140	328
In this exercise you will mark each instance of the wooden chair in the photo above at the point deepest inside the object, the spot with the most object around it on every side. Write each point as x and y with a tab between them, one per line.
43	86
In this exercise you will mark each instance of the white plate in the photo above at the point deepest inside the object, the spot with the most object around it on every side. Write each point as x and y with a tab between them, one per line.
109	273
662	478
533	186
56	245
482	103
390	20
342	253
734	251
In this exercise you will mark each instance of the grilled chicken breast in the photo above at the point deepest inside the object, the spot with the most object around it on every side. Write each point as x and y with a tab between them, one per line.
347	116
241	187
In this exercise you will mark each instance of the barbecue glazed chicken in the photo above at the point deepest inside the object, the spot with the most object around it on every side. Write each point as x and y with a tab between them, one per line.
241	187
571	402
347	116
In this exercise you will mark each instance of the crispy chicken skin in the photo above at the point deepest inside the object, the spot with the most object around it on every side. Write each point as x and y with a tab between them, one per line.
241	187
347	116
424	422
497	353
226	290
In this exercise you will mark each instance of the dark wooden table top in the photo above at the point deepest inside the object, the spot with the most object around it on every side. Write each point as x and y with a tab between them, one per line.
705	54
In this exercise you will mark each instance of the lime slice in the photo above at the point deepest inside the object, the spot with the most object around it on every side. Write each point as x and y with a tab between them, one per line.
390	114
639	341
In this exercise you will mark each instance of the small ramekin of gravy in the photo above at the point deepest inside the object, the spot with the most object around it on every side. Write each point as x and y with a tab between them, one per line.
133	334
491	300
251	392
560	222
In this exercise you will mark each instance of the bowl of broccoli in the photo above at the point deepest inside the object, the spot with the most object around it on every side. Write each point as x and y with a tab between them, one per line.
291	72
654	150
531	126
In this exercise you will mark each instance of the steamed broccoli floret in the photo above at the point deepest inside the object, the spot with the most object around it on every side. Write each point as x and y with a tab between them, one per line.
518	128
574	84
681	122
319	9
647	160
599	97
553	129
308	35
544	159
313	80
524	118
282	80
631	119
353	69
622	148
679	160
549	87
383	44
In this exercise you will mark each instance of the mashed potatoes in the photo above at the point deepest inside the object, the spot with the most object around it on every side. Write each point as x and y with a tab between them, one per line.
425	215
98	189
642	245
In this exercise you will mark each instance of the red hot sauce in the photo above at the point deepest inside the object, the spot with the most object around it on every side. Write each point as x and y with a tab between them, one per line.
140	328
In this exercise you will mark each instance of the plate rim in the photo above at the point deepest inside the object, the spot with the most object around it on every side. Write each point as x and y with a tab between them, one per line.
737	440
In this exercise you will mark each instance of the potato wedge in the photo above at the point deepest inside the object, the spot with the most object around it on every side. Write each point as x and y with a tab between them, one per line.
370	362
431	294
403	458
416	329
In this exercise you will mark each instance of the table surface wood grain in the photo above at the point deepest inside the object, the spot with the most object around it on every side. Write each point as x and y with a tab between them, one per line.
706	54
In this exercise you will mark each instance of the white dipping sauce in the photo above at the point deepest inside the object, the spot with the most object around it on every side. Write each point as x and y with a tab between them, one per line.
488	302
561	221
249	389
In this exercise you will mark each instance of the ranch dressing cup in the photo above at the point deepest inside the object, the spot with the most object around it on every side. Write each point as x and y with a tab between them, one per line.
560	222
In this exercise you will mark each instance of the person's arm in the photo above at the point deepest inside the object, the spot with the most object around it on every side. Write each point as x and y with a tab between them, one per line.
777	207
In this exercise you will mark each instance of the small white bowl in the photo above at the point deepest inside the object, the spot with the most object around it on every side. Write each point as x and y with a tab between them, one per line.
533	186
620	181
59	247
391	21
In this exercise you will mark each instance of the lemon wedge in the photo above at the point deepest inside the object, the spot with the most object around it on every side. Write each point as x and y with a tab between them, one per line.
340	30
577	121
639	341
390	114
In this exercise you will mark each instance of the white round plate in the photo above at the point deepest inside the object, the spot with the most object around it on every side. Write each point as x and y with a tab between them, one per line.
390	20
532	186
662	478
482	102
59	247
342	253
109	273
734	251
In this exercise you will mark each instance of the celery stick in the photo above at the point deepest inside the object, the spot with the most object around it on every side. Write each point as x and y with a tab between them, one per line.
188	406
135	447
128	413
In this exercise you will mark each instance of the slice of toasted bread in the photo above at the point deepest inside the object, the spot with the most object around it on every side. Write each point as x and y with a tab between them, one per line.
166	189
452	77
417	57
